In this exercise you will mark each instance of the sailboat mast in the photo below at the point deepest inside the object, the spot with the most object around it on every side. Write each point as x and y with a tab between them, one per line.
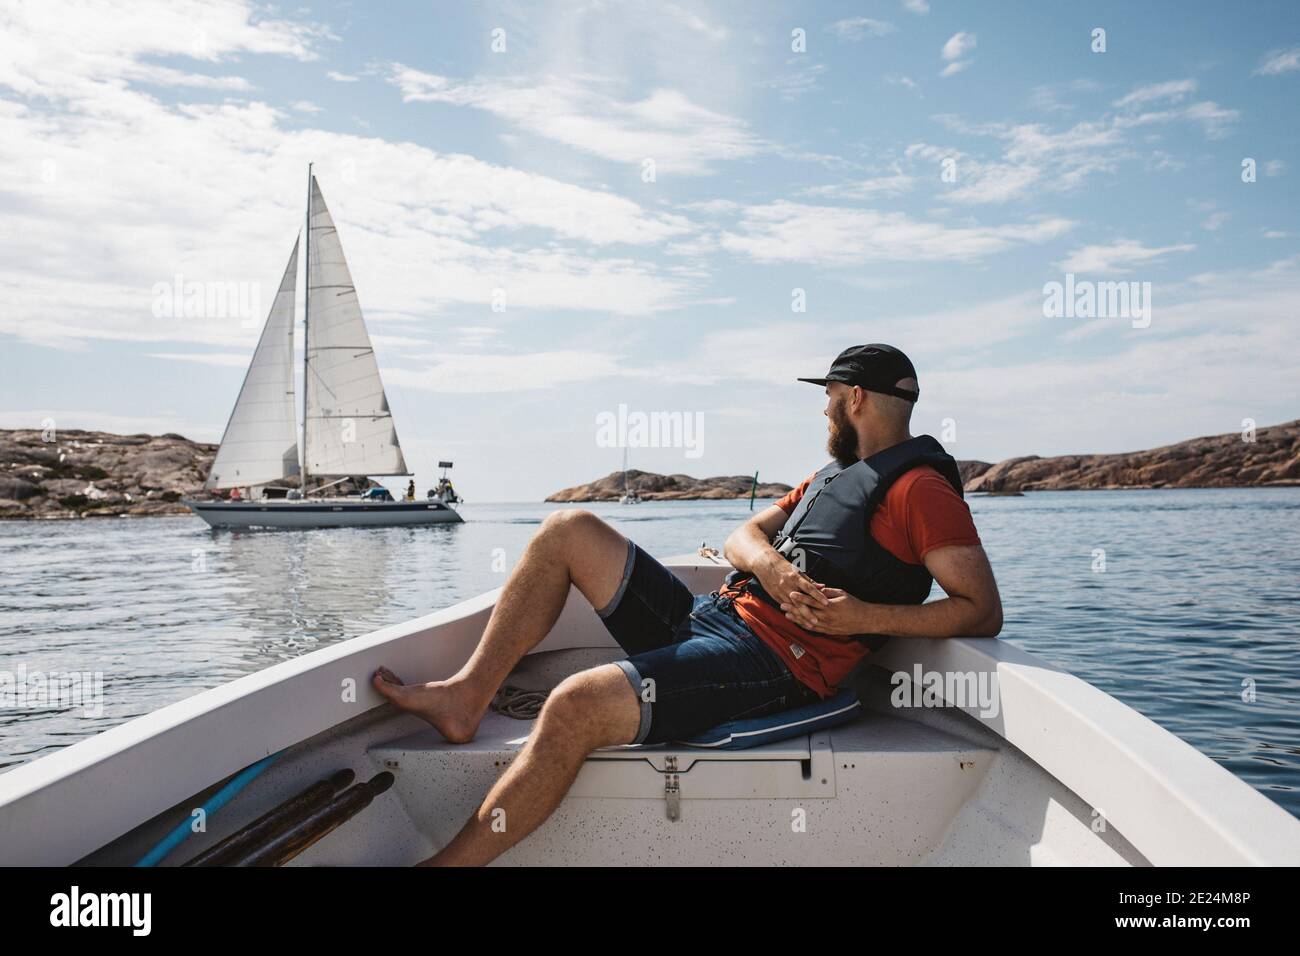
306	334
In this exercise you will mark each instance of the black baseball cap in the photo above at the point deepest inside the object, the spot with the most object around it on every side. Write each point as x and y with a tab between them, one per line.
874	367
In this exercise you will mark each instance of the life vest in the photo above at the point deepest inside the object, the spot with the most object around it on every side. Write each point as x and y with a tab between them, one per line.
828	535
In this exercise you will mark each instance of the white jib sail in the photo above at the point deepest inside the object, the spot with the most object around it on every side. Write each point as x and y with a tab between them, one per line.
261	443
348	429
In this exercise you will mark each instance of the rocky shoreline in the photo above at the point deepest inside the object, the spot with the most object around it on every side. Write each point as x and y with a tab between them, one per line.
86	474
1272	459
89	474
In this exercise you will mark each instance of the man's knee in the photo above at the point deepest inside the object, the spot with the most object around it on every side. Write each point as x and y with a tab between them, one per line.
577	700
569	525
593	708
593	551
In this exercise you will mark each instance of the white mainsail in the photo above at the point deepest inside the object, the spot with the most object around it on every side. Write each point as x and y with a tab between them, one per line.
260	443
348	428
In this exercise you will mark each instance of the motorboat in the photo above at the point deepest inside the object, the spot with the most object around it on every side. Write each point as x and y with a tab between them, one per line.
1048	770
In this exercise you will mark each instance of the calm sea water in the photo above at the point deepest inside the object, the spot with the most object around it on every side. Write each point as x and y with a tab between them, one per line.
1200	593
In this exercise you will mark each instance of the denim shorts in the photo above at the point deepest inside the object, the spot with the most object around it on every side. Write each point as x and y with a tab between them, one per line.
692	661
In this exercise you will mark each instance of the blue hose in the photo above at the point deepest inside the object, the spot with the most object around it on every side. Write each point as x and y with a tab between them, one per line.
218	800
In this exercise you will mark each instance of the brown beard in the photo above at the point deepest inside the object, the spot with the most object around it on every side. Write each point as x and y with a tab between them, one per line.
842	443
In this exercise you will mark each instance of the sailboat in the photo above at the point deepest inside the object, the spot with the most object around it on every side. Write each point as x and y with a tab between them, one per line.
347	427
629	497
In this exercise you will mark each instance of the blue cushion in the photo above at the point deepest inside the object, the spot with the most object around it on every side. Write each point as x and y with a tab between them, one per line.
755	731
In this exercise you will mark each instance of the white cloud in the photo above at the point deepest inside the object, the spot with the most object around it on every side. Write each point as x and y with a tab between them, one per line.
799	77
1119	256
917	6
1215	221
1034	157
473	373
958	45
713	207
213	192
1047	99
475	336
854	29
338	77
680	136
1160	161
1279	61
893	184
1213	118
905	81
1274	167
217	359
973	327
64	49
696	23
825	235
1173	91
993	182
1032	141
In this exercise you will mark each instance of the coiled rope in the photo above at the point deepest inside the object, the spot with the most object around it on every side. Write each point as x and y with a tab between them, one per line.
519	703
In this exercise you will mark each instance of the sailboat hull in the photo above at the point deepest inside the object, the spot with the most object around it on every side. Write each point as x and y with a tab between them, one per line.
322	513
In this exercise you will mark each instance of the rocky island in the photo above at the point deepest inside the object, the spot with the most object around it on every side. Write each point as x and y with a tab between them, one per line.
652	487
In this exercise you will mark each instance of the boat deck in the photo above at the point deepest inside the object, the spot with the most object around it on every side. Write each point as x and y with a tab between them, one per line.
881	790
890	788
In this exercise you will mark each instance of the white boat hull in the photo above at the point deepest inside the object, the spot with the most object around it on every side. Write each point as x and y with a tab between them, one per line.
1059	773
326	513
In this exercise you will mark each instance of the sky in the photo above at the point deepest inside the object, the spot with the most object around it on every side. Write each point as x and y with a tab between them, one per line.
554	210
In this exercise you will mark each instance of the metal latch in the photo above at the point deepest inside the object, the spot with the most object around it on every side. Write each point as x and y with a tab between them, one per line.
672	788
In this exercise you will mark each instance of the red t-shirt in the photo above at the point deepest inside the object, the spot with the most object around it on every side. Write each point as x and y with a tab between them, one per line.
921	512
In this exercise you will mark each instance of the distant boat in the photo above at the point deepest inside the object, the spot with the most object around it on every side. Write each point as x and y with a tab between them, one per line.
629	497
347	427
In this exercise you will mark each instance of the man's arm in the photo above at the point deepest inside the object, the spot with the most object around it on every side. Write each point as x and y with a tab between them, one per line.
973	607
749	548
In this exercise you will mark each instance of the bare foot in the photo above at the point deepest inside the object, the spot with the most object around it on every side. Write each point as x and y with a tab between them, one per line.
438	702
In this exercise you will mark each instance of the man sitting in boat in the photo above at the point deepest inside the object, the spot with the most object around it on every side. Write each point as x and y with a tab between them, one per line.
823	576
